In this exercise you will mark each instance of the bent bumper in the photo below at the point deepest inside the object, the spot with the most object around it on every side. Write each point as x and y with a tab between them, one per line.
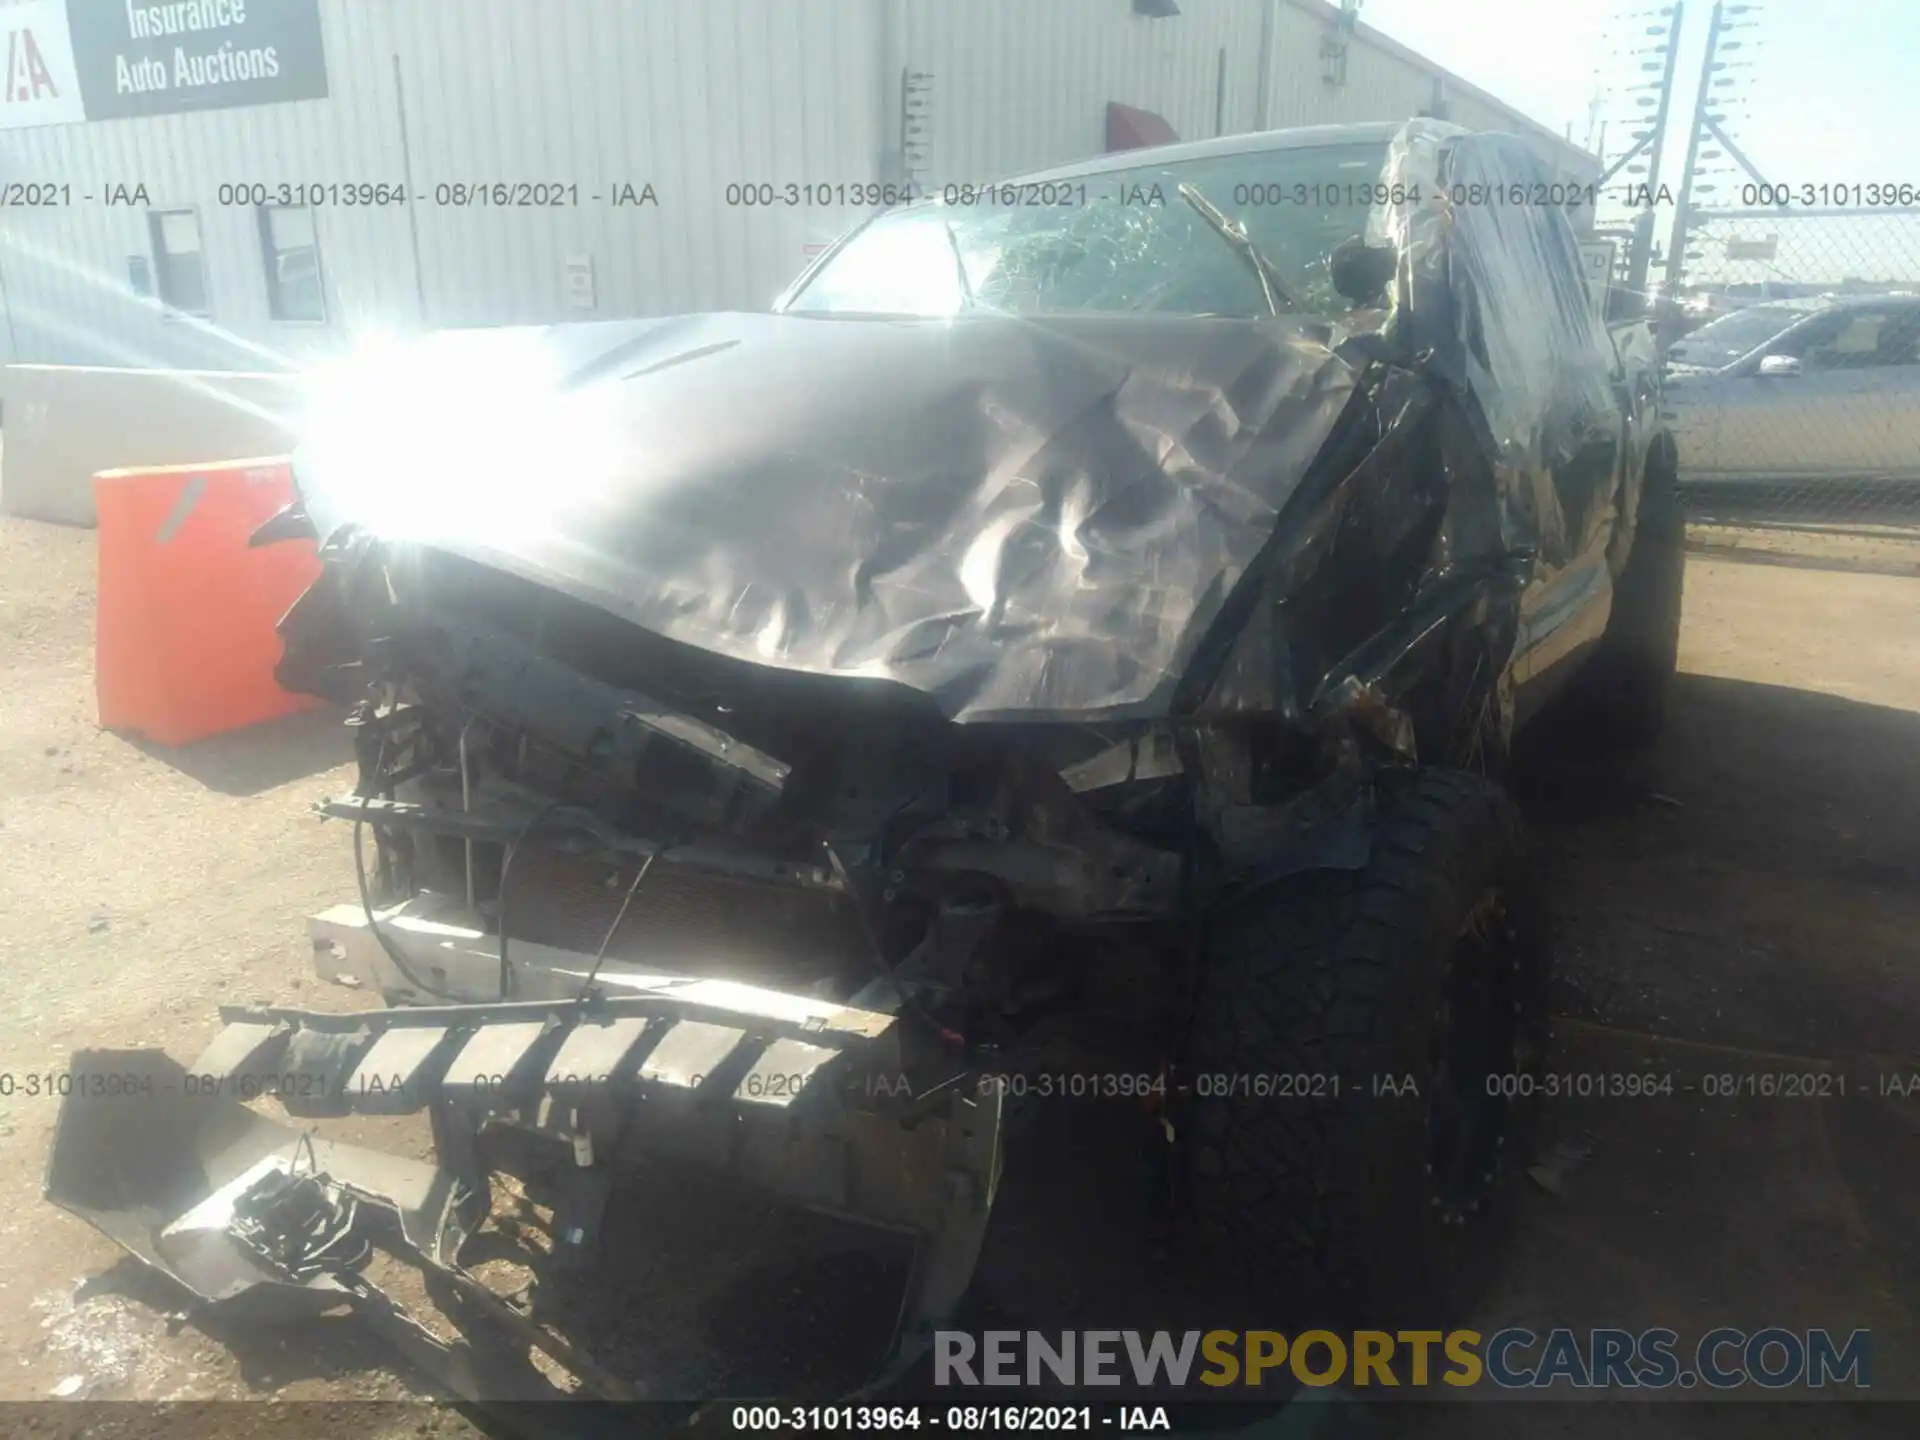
783	1095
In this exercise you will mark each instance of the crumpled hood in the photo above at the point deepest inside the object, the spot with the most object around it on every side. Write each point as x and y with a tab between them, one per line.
1022	518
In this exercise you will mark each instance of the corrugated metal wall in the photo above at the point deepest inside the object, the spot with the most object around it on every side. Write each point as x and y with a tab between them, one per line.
688	96
65	270
1019	86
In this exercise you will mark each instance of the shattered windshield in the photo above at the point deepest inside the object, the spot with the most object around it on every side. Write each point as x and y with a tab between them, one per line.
1123	241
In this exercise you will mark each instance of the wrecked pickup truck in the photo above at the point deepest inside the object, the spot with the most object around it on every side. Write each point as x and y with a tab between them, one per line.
1093	630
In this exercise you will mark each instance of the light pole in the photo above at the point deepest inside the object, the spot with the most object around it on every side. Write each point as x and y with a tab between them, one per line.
1682	214
1640	261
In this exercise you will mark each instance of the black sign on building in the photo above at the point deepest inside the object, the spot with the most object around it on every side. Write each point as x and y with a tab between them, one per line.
160	57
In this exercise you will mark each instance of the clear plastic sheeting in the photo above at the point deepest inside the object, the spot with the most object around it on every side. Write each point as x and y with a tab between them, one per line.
1052	516
1494	296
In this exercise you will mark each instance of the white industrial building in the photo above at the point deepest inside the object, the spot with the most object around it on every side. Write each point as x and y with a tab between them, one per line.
241	184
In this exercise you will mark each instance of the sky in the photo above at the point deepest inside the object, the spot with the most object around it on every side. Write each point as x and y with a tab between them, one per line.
1831	95
1827	91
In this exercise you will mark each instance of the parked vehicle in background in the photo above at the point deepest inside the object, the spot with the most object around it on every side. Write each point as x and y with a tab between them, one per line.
1820	389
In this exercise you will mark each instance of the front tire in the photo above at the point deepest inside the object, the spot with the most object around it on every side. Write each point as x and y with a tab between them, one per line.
1388	1006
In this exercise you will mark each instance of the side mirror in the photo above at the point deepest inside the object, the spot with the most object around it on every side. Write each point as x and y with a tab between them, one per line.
1779	367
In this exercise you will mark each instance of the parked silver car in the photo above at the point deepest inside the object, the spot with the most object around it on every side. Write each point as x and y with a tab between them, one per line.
1795	390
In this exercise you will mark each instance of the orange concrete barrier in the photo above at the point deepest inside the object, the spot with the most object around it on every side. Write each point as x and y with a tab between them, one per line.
186	640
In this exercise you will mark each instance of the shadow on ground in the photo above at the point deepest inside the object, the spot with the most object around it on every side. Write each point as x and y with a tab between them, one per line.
1736	907
260	757
1753	879
327	1347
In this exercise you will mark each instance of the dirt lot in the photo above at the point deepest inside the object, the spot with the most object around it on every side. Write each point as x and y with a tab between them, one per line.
1745	898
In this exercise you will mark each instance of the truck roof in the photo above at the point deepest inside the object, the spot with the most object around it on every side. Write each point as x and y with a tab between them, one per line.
1376	132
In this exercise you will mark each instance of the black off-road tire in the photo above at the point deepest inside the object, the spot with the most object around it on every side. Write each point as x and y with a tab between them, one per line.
1344	989
1623	689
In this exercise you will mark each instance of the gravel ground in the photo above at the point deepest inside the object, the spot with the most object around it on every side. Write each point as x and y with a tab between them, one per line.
1753	884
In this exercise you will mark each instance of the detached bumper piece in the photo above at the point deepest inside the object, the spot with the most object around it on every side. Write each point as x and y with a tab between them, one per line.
781	1103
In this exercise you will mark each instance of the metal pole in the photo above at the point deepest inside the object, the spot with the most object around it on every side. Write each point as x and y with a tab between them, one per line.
1220	95
413	206
1642	258
1719	133
1615	168
6	308
1677	245
1263	90
893	94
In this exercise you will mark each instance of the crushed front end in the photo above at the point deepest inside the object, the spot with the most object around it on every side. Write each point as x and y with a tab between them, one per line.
641	920
768	728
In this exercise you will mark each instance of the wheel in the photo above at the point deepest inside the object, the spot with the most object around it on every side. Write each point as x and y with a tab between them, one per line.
1388	1008
1624	686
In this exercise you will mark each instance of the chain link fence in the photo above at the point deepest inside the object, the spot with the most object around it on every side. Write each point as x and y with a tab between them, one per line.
1793	378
